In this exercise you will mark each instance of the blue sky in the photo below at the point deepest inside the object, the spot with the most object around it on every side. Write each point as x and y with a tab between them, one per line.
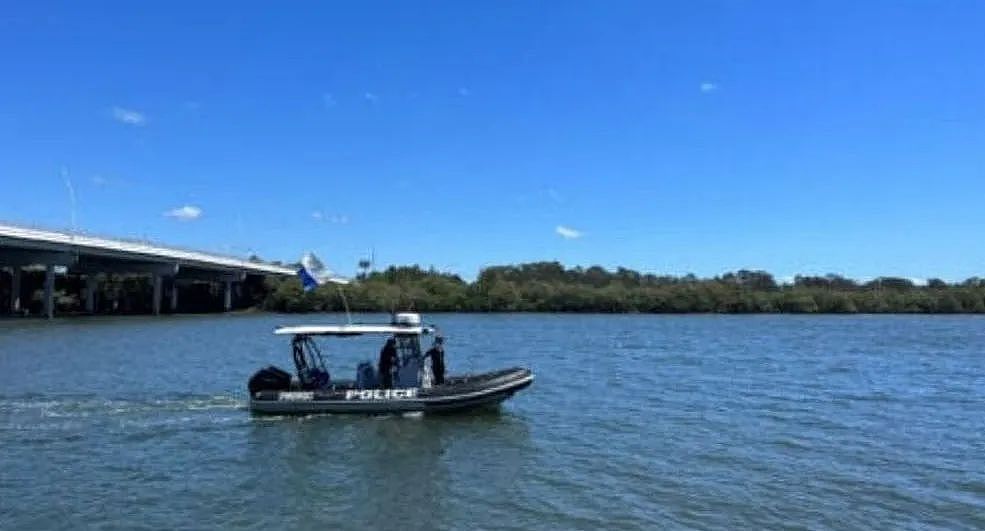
797	137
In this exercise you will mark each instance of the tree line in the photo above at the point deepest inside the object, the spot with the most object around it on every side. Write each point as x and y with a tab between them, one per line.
551	287
531	287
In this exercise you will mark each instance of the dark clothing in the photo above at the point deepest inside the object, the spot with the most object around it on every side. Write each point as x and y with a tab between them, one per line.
437	355
388	358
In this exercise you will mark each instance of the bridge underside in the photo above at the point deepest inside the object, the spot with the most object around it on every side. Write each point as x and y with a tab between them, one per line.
76	282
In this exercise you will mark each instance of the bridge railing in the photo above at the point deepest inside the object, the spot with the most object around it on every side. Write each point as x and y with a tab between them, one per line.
71	233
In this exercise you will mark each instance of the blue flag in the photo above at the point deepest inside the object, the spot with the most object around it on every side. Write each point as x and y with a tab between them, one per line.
313	273
308	282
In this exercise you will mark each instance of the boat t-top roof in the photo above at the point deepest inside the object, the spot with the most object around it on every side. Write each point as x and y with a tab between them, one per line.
407	324
352	330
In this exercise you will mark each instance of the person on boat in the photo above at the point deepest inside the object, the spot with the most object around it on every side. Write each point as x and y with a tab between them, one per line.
437	355
388	358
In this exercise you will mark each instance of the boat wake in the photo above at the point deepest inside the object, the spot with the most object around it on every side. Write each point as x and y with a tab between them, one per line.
74	406
80	419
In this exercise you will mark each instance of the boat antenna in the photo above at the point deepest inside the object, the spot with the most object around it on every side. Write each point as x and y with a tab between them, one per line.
345	304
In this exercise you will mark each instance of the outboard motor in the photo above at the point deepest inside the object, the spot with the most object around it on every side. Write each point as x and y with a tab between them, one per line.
269	379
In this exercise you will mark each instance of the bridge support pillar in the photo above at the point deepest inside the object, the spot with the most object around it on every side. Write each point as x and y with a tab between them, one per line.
156	301
227	296
15	289
92	285
49	291
174	295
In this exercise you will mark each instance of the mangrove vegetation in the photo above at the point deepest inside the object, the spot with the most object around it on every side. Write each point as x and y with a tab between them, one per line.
551	287
532	287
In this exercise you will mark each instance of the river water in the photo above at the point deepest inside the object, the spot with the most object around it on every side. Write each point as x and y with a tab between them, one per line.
634	422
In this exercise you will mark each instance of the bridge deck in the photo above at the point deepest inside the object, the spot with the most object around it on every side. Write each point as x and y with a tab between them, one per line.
14	237
88	255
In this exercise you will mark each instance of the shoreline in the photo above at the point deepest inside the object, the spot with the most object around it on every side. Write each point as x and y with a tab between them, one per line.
262	312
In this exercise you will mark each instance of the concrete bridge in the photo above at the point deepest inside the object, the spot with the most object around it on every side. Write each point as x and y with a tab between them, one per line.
92	258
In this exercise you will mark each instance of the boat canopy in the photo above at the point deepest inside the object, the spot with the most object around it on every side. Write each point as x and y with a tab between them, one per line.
353	330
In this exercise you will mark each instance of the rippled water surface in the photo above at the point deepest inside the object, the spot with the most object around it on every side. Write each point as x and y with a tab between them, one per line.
634	422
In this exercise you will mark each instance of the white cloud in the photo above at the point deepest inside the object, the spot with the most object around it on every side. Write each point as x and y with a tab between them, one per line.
567	232
328	100
338	219
370	97
184	213
707	87
129	116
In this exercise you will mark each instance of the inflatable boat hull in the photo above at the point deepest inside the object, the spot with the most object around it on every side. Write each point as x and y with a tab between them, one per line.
457	394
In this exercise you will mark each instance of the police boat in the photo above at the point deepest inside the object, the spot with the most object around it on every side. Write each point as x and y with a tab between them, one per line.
312	390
